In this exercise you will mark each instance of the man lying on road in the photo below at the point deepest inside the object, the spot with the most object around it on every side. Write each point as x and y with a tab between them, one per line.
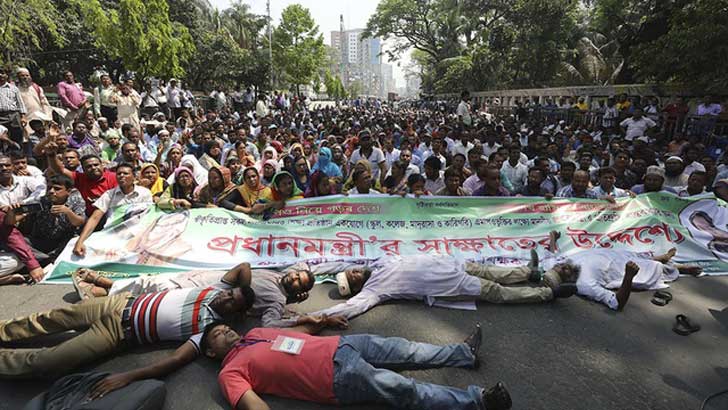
273	289
446	278
343	370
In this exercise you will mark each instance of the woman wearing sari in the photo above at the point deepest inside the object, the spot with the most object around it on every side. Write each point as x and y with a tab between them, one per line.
396	181
174	157
150	179
322	185
301	174
282	189
220	191
268	153
252	189
361	165
180	194
212	156
190	162
270	169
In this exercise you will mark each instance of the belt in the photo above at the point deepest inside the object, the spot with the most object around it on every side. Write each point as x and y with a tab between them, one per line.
126	322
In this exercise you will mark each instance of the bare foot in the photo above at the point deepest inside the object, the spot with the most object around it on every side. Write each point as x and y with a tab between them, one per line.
666	257
690	270
16	279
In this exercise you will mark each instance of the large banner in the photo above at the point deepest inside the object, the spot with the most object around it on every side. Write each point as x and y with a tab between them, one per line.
142	239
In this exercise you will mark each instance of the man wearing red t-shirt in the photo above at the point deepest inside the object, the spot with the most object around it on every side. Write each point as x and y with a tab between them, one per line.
91	183
342	369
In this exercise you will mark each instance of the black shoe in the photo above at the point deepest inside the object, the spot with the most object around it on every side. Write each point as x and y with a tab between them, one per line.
473	341
497	398
565	290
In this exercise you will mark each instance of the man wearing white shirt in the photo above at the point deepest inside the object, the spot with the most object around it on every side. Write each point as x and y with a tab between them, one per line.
391	154
514	170
367	151
18	189
125	193
636	125
463	111
438	280
434	176
175	99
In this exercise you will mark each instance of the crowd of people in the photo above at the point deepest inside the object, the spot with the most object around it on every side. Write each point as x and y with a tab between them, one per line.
253	154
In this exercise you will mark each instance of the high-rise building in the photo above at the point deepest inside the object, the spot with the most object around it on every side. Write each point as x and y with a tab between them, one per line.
361	62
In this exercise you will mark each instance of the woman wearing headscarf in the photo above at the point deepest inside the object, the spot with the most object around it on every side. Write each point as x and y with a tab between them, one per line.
268	153
361	164
220	191
174	157
150	179
270	169
301	174
212	156
252	189
325	165
339	159
321	185
282	189
190	162
180	194
396	181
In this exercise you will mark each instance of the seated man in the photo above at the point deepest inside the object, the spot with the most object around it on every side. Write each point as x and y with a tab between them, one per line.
124	194
441	278
116	322
605	269
54	221
344	370
273	289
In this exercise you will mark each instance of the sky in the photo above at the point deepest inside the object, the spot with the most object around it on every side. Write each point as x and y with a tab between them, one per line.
326	14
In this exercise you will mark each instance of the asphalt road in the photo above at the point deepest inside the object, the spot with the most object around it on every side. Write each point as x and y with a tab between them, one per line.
571	354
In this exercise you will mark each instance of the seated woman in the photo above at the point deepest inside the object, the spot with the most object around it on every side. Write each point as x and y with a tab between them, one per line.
149	178
270	169
361	165
180	194
236	169
325	164
173	160
252	190
300	174
268	154
321	185
283	189
416	186
396	182
220	191
212	156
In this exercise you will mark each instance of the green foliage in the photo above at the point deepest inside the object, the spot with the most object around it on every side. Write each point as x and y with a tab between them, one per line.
24	25
218	60
694	50
141	34
298	47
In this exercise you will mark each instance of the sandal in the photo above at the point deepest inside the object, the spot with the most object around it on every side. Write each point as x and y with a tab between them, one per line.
683	326
661	298
83	289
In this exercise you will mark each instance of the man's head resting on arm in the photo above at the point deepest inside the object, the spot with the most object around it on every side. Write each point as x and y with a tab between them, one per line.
352	280
233	300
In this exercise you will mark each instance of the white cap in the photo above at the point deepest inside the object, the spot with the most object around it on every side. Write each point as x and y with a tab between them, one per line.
343	283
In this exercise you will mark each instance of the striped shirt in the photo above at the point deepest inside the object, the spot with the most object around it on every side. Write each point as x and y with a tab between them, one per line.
173	315
10	99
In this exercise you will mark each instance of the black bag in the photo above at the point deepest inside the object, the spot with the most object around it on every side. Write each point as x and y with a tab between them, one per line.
71	393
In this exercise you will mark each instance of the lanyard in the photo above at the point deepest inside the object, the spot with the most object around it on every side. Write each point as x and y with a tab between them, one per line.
249	342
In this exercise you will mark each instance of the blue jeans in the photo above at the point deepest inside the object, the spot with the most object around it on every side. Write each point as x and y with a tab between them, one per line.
363	373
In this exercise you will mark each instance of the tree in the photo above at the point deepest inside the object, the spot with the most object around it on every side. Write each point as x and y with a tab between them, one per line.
218	60
692	52
25	24
141	34
298	47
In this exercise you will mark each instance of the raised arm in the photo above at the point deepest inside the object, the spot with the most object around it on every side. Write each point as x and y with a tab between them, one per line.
240	275
55	163
183	355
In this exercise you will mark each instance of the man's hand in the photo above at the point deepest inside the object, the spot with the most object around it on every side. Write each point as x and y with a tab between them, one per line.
610	199
631	269
54	131
51	148
337	322
37	274
23	173
79	249
109	384
182	203
60	209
